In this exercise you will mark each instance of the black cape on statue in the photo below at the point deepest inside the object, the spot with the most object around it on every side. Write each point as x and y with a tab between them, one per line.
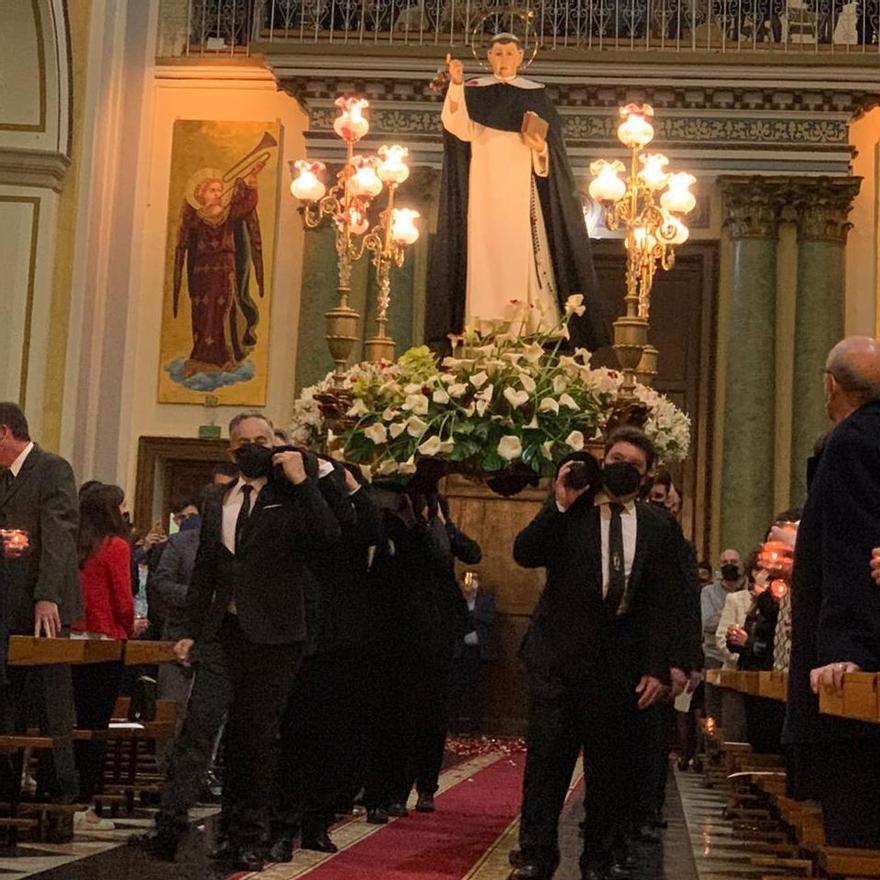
501	106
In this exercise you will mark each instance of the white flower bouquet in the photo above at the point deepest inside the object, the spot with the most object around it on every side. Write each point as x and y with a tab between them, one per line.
501	402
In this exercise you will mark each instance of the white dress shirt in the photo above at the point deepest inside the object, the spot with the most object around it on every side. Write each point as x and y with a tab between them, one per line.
628	521
16	466
232	505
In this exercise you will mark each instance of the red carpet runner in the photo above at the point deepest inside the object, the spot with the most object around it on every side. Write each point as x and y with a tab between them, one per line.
437	846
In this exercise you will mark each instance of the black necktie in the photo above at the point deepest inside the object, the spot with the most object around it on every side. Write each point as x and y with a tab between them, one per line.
243	514
616	570
8	478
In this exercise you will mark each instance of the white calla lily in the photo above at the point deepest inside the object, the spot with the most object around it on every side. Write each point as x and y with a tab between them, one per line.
515	398
416	403
407	468
388	467
478	380
377	432
358	409
431	446
509	447
575	441
548	404
574	305
396	429
440	396
568	401
459	389
527	382
415	427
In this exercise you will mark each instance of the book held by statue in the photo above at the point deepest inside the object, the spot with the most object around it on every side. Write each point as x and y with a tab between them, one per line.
532	124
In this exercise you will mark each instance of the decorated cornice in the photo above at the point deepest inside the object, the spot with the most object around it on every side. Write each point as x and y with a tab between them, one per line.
753	206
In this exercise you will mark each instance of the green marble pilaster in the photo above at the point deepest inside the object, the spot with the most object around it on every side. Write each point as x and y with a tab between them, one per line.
747	467
822	206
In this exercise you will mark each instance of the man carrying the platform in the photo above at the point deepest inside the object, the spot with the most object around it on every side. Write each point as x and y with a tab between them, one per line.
597	651
511	222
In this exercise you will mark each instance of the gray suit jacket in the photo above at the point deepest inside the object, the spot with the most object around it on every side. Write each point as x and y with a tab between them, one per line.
172	577
42	500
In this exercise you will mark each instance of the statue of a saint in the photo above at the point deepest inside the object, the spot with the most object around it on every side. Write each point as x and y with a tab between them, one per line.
510	221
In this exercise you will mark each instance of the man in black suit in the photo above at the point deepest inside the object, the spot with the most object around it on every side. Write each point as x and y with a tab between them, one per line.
38	495
318	728
835	606
246	605
597	650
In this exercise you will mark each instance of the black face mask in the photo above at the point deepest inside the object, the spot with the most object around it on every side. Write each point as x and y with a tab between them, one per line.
254	461
656	503
730	572
621	478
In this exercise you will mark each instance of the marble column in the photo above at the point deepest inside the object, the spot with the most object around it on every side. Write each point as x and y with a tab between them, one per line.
752	209
823	205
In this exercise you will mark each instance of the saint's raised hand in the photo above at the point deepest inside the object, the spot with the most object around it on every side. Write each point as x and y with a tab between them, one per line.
455	68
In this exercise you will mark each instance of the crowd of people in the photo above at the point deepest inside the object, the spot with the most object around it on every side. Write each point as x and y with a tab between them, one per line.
323	638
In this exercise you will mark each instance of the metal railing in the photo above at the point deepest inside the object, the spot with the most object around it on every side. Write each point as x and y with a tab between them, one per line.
216	27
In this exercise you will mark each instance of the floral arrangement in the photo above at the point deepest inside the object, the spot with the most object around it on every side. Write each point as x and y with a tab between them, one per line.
500	401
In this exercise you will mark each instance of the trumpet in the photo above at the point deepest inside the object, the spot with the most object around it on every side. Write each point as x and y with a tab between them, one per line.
259	155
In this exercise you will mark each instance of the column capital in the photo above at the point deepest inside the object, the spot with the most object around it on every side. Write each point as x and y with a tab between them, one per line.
823	205
752	206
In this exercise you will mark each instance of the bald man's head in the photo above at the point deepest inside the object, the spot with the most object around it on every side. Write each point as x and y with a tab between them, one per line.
852	376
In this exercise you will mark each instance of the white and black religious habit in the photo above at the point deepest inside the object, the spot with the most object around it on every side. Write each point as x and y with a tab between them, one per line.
510	221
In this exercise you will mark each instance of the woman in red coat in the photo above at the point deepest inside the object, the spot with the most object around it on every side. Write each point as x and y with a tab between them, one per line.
105	574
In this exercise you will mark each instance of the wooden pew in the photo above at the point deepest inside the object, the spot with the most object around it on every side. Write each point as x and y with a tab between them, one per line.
859	700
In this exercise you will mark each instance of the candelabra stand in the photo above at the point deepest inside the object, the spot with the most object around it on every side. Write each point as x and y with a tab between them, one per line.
649	204
346	205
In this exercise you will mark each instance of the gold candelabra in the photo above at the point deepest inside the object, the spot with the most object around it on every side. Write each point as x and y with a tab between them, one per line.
650	204
346	204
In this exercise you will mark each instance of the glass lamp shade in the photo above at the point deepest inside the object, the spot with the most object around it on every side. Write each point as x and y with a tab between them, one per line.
682	233
351	124
392	168
678	198
307	186
654	174
606	185
365	181
635	129
403	228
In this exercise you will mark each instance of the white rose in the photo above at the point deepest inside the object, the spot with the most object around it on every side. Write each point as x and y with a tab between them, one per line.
415	427
548	404
440	396
377	433
566	400
478	380
575	441
509	447
515	398
431	446
358	408
574	305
